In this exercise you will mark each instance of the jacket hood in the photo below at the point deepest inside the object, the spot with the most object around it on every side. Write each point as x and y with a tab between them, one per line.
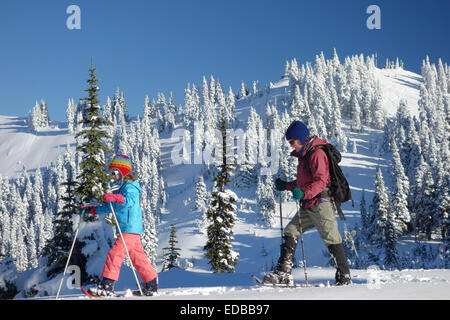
135	184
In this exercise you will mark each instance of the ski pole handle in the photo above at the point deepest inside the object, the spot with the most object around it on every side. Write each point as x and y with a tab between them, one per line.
83	206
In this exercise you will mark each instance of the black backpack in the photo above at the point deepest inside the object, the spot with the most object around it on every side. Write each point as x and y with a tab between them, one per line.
339	189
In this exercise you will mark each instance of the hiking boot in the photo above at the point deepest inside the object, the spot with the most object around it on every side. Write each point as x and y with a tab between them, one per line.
282	272
342	275
342	279
148	288
104	289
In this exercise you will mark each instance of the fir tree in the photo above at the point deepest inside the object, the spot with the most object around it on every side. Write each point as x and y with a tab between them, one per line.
391	258
93	178
221	214
172	254
364	215
266	200
400	190
201	197
378	211
70	115
243	92
38	116
57	249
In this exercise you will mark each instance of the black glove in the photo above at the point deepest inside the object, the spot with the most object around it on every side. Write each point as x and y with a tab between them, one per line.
280	185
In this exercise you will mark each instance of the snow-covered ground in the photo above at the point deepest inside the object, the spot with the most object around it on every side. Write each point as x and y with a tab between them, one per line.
257	245
367	284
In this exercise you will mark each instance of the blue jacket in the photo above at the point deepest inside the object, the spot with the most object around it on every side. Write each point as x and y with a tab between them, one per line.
129	214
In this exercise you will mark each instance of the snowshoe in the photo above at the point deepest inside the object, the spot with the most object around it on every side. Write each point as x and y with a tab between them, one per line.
278	277
104	289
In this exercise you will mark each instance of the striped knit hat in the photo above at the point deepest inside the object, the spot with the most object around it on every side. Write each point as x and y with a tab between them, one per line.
122	163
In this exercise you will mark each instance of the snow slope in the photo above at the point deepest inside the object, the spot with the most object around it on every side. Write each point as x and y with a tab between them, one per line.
257	245
398	84
22	148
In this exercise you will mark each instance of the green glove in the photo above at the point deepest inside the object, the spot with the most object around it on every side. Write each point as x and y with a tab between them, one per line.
280	185
297	193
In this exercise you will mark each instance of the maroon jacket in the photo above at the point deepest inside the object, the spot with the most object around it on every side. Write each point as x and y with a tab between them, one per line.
311	182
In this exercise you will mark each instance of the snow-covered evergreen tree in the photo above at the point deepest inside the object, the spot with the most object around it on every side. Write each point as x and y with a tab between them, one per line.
71	116
364	215
400	190
219	251
391	257
38	117
57	249
378	211
229	109
266	200
243	92
149	237
170	259
201	196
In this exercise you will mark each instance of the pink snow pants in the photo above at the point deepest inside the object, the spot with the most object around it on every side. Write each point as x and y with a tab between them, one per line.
117	253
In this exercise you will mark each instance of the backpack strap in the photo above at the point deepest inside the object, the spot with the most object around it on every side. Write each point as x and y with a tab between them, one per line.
339	210
326	192
308	155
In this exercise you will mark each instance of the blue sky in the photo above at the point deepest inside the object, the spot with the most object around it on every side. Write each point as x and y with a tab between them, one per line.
146	47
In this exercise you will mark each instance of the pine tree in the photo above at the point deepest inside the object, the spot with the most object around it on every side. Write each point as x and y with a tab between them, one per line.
34	116
391	258
45	117
266	200
243	91
230	105
400	190
378	211
5	230
172	254
93	179
221	214
426	218
377	110
201	197
356	114
57	249
19	251
70	115
364	215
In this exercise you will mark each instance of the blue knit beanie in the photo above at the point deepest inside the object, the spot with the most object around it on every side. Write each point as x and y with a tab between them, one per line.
297	130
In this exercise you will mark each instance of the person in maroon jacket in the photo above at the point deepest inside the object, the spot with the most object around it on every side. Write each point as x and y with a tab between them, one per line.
317	209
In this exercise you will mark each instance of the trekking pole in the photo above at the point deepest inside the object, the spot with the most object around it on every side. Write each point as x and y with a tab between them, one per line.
70	253
301	239
281	220
126	249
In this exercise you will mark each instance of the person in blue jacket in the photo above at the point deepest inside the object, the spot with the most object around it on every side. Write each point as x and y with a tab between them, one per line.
125	202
